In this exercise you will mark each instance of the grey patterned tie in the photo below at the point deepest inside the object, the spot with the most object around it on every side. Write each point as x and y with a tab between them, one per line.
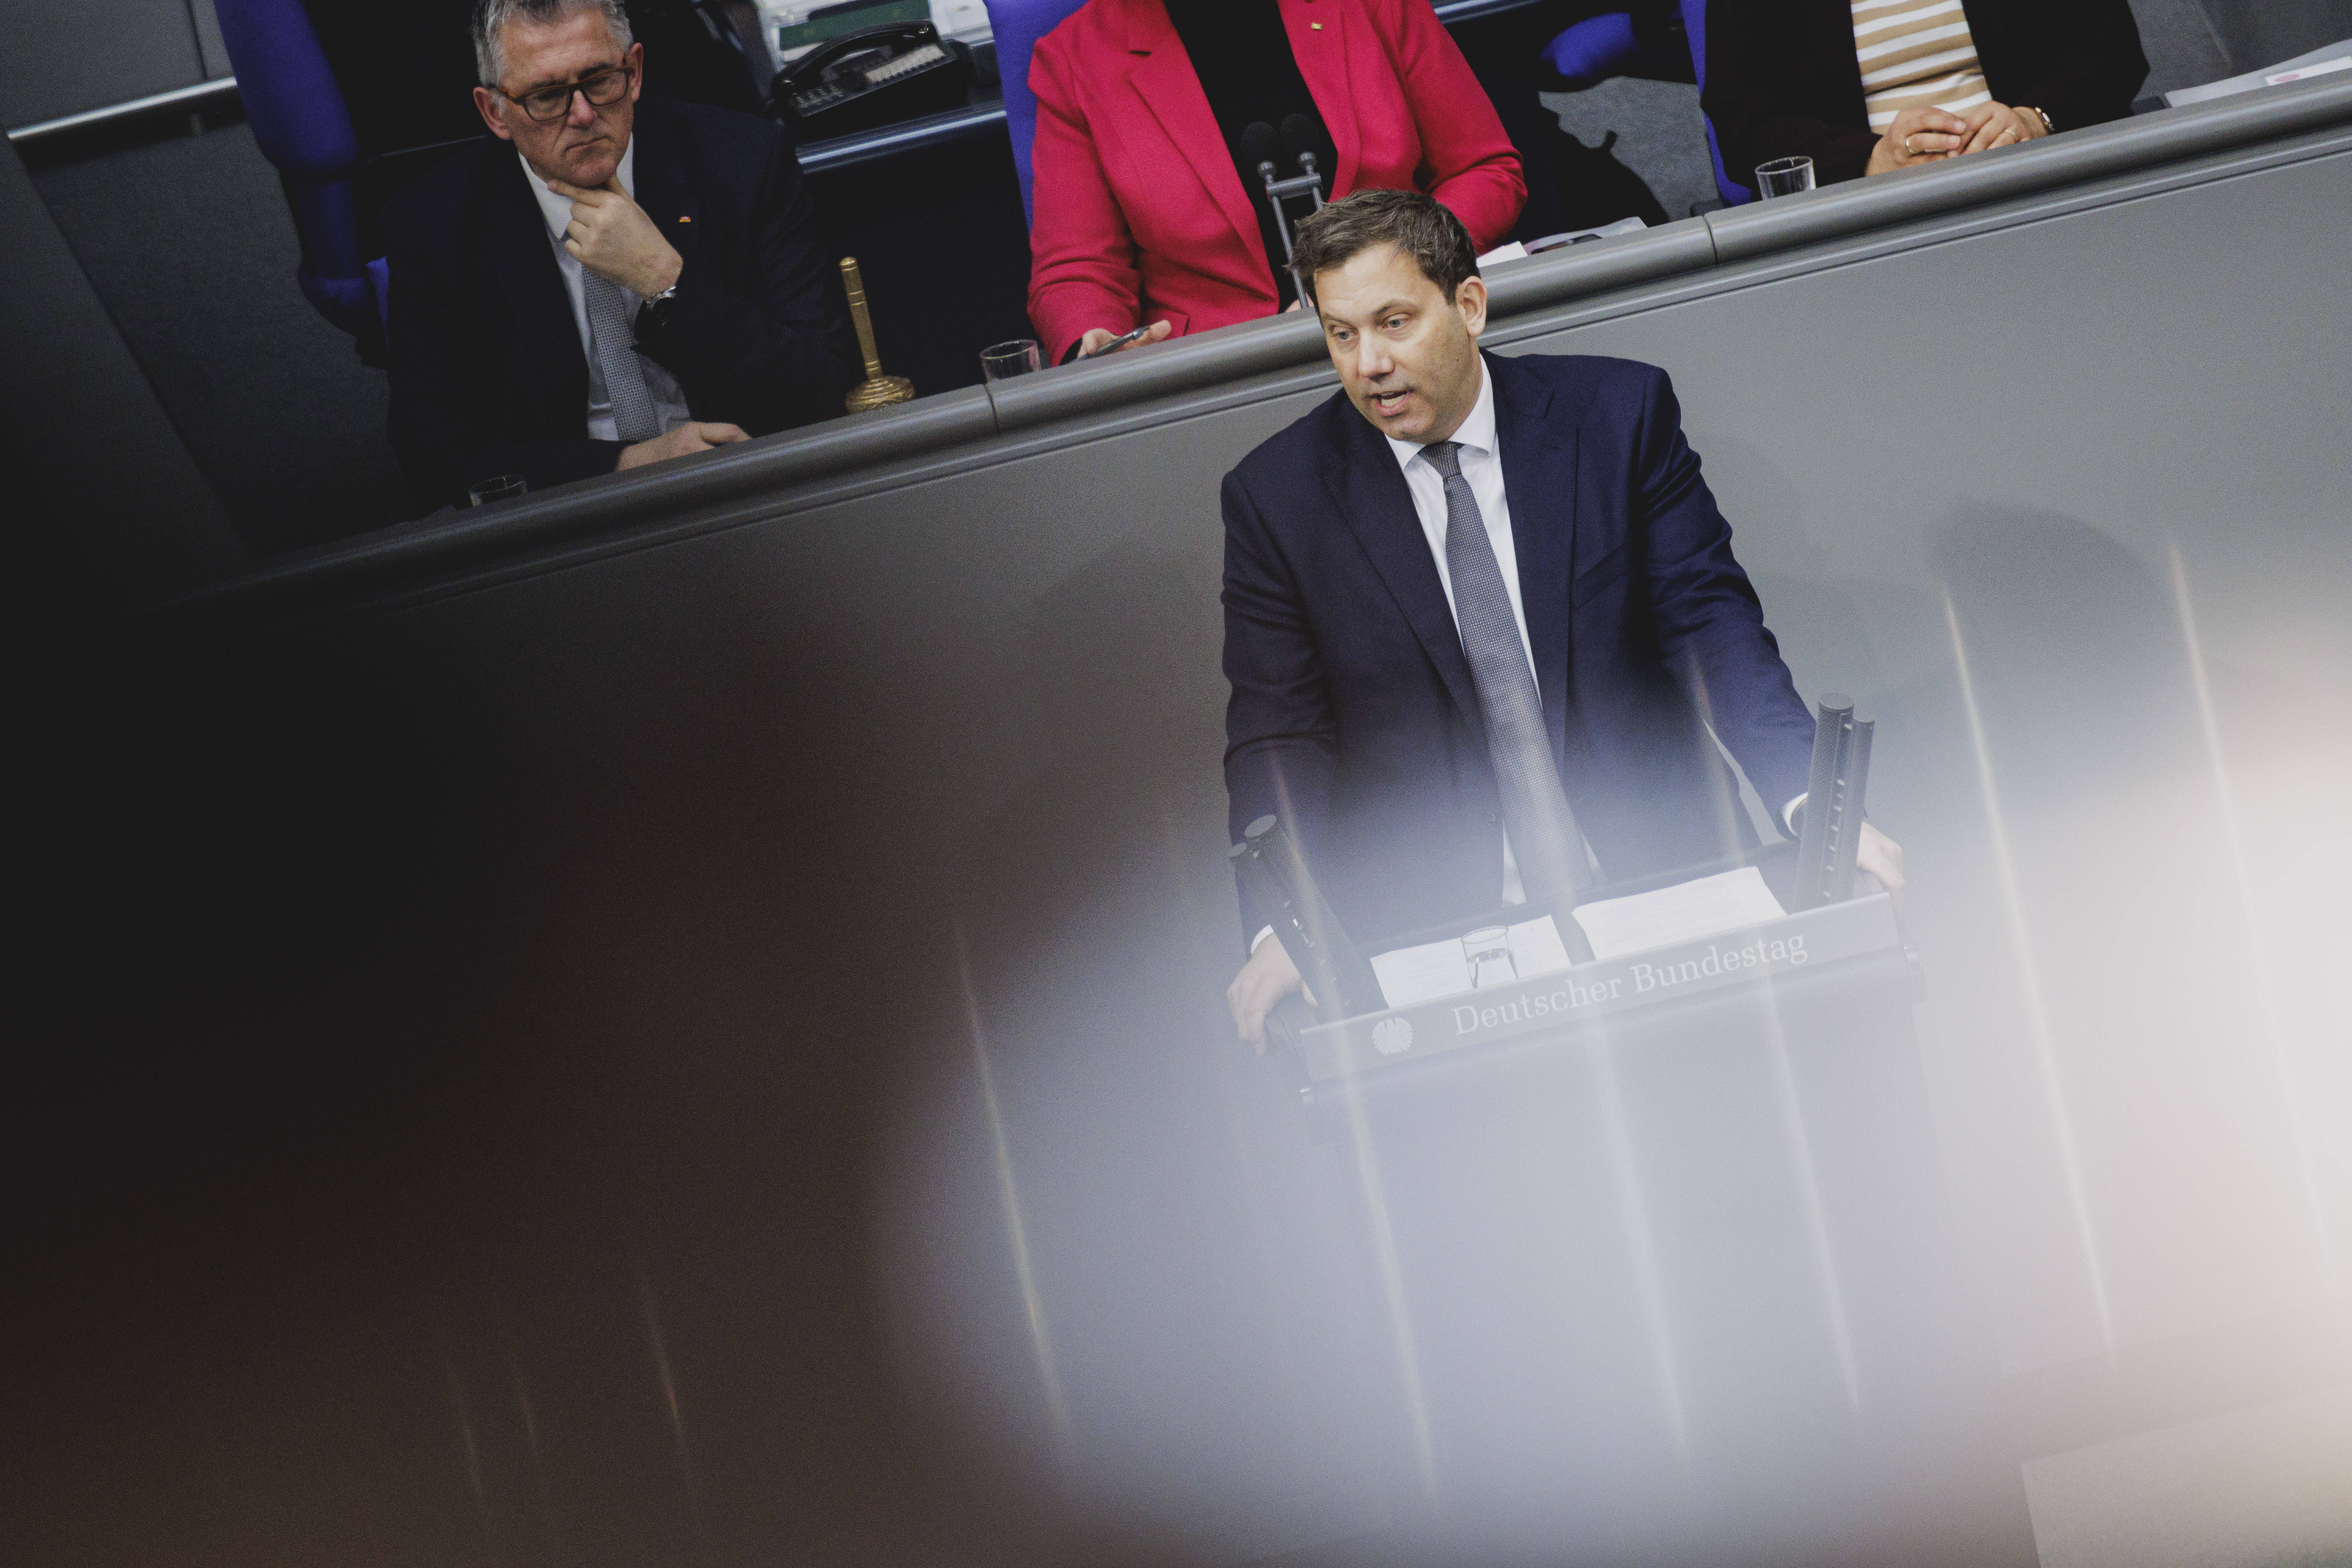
634	418
1544	837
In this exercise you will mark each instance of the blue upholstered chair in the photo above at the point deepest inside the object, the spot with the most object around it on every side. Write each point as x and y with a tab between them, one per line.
1593	50
1017	24
1605	45
1694	25
299	120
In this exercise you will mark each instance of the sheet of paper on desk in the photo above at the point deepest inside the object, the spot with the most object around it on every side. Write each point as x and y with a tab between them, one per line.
2305	73
1728	900
1414	975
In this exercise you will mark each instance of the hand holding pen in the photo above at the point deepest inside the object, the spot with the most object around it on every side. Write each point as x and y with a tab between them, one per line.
1099	342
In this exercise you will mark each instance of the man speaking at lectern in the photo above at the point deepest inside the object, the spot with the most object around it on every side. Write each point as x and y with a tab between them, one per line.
1482	612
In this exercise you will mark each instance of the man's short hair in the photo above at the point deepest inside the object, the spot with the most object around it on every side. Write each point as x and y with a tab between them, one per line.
491	16
1420	225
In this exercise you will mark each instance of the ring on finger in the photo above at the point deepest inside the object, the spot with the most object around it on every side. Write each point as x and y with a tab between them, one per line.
1909	151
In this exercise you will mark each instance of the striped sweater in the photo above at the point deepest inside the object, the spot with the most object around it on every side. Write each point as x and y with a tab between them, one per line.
1915	53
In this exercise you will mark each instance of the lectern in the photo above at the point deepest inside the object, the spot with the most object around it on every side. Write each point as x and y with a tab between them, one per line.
1662	1236
1826	942
1847	949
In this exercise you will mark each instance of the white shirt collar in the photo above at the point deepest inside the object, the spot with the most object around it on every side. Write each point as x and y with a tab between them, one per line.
1478	431
557	210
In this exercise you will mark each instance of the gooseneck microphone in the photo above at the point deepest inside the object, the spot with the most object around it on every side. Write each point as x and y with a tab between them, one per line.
1301	143
1261	149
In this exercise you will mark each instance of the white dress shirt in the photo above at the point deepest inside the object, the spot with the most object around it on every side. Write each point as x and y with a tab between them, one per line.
669	397
1481	465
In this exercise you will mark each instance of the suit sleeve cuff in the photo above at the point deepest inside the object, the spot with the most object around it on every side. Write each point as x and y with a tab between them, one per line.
696	313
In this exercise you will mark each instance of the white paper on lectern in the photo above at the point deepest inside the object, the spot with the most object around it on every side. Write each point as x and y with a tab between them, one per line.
1729	900
1414	974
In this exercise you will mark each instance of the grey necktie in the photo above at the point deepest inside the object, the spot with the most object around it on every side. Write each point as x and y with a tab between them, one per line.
1544	837
634	418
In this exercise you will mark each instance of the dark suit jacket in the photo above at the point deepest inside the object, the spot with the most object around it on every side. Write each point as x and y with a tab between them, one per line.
487	373
1782	80
1353	715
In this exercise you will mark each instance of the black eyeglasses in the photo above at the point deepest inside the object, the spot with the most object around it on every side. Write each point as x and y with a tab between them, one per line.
598	87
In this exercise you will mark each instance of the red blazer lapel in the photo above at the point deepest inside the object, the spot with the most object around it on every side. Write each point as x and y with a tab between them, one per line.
1162	76
1318	38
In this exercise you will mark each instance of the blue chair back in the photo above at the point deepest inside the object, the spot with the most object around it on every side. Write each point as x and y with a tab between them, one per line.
1017	24
1593	50
1601	47
303	126
1695	24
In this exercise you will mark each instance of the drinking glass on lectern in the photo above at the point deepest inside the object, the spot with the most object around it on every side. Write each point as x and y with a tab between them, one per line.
1488	950
1018	357
1784	177
503	487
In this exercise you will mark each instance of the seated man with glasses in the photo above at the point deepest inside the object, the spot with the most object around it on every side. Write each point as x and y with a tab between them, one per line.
610	283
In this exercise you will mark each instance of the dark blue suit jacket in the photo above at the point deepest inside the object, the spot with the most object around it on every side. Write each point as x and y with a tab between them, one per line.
487	373
1352	712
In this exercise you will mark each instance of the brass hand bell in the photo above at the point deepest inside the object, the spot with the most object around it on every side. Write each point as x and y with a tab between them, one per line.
876	391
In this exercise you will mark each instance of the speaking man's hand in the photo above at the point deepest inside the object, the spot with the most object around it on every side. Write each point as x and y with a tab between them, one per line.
1264	981
615	239
1882	857
694	436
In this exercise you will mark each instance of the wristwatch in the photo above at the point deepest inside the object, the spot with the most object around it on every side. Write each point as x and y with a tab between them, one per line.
2047	129
655	312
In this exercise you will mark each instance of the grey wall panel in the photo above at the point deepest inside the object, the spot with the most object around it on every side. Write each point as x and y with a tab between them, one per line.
189	242
211	47
2028	454
793	941
2182	47
143	516
63	59
2261	32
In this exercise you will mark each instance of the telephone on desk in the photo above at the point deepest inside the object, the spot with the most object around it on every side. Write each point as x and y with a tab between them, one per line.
878	77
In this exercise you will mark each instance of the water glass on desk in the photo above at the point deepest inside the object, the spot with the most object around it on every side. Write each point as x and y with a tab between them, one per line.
504	487
1784	177
1018	357
1487	951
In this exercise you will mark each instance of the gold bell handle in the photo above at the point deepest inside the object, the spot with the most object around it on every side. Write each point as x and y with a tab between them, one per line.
877	390
854	285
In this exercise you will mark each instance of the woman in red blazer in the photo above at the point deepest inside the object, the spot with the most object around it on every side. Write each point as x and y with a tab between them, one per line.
1140	212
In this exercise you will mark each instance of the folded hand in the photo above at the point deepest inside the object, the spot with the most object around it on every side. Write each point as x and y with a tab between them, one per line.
1919	136
1997	125
694	436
